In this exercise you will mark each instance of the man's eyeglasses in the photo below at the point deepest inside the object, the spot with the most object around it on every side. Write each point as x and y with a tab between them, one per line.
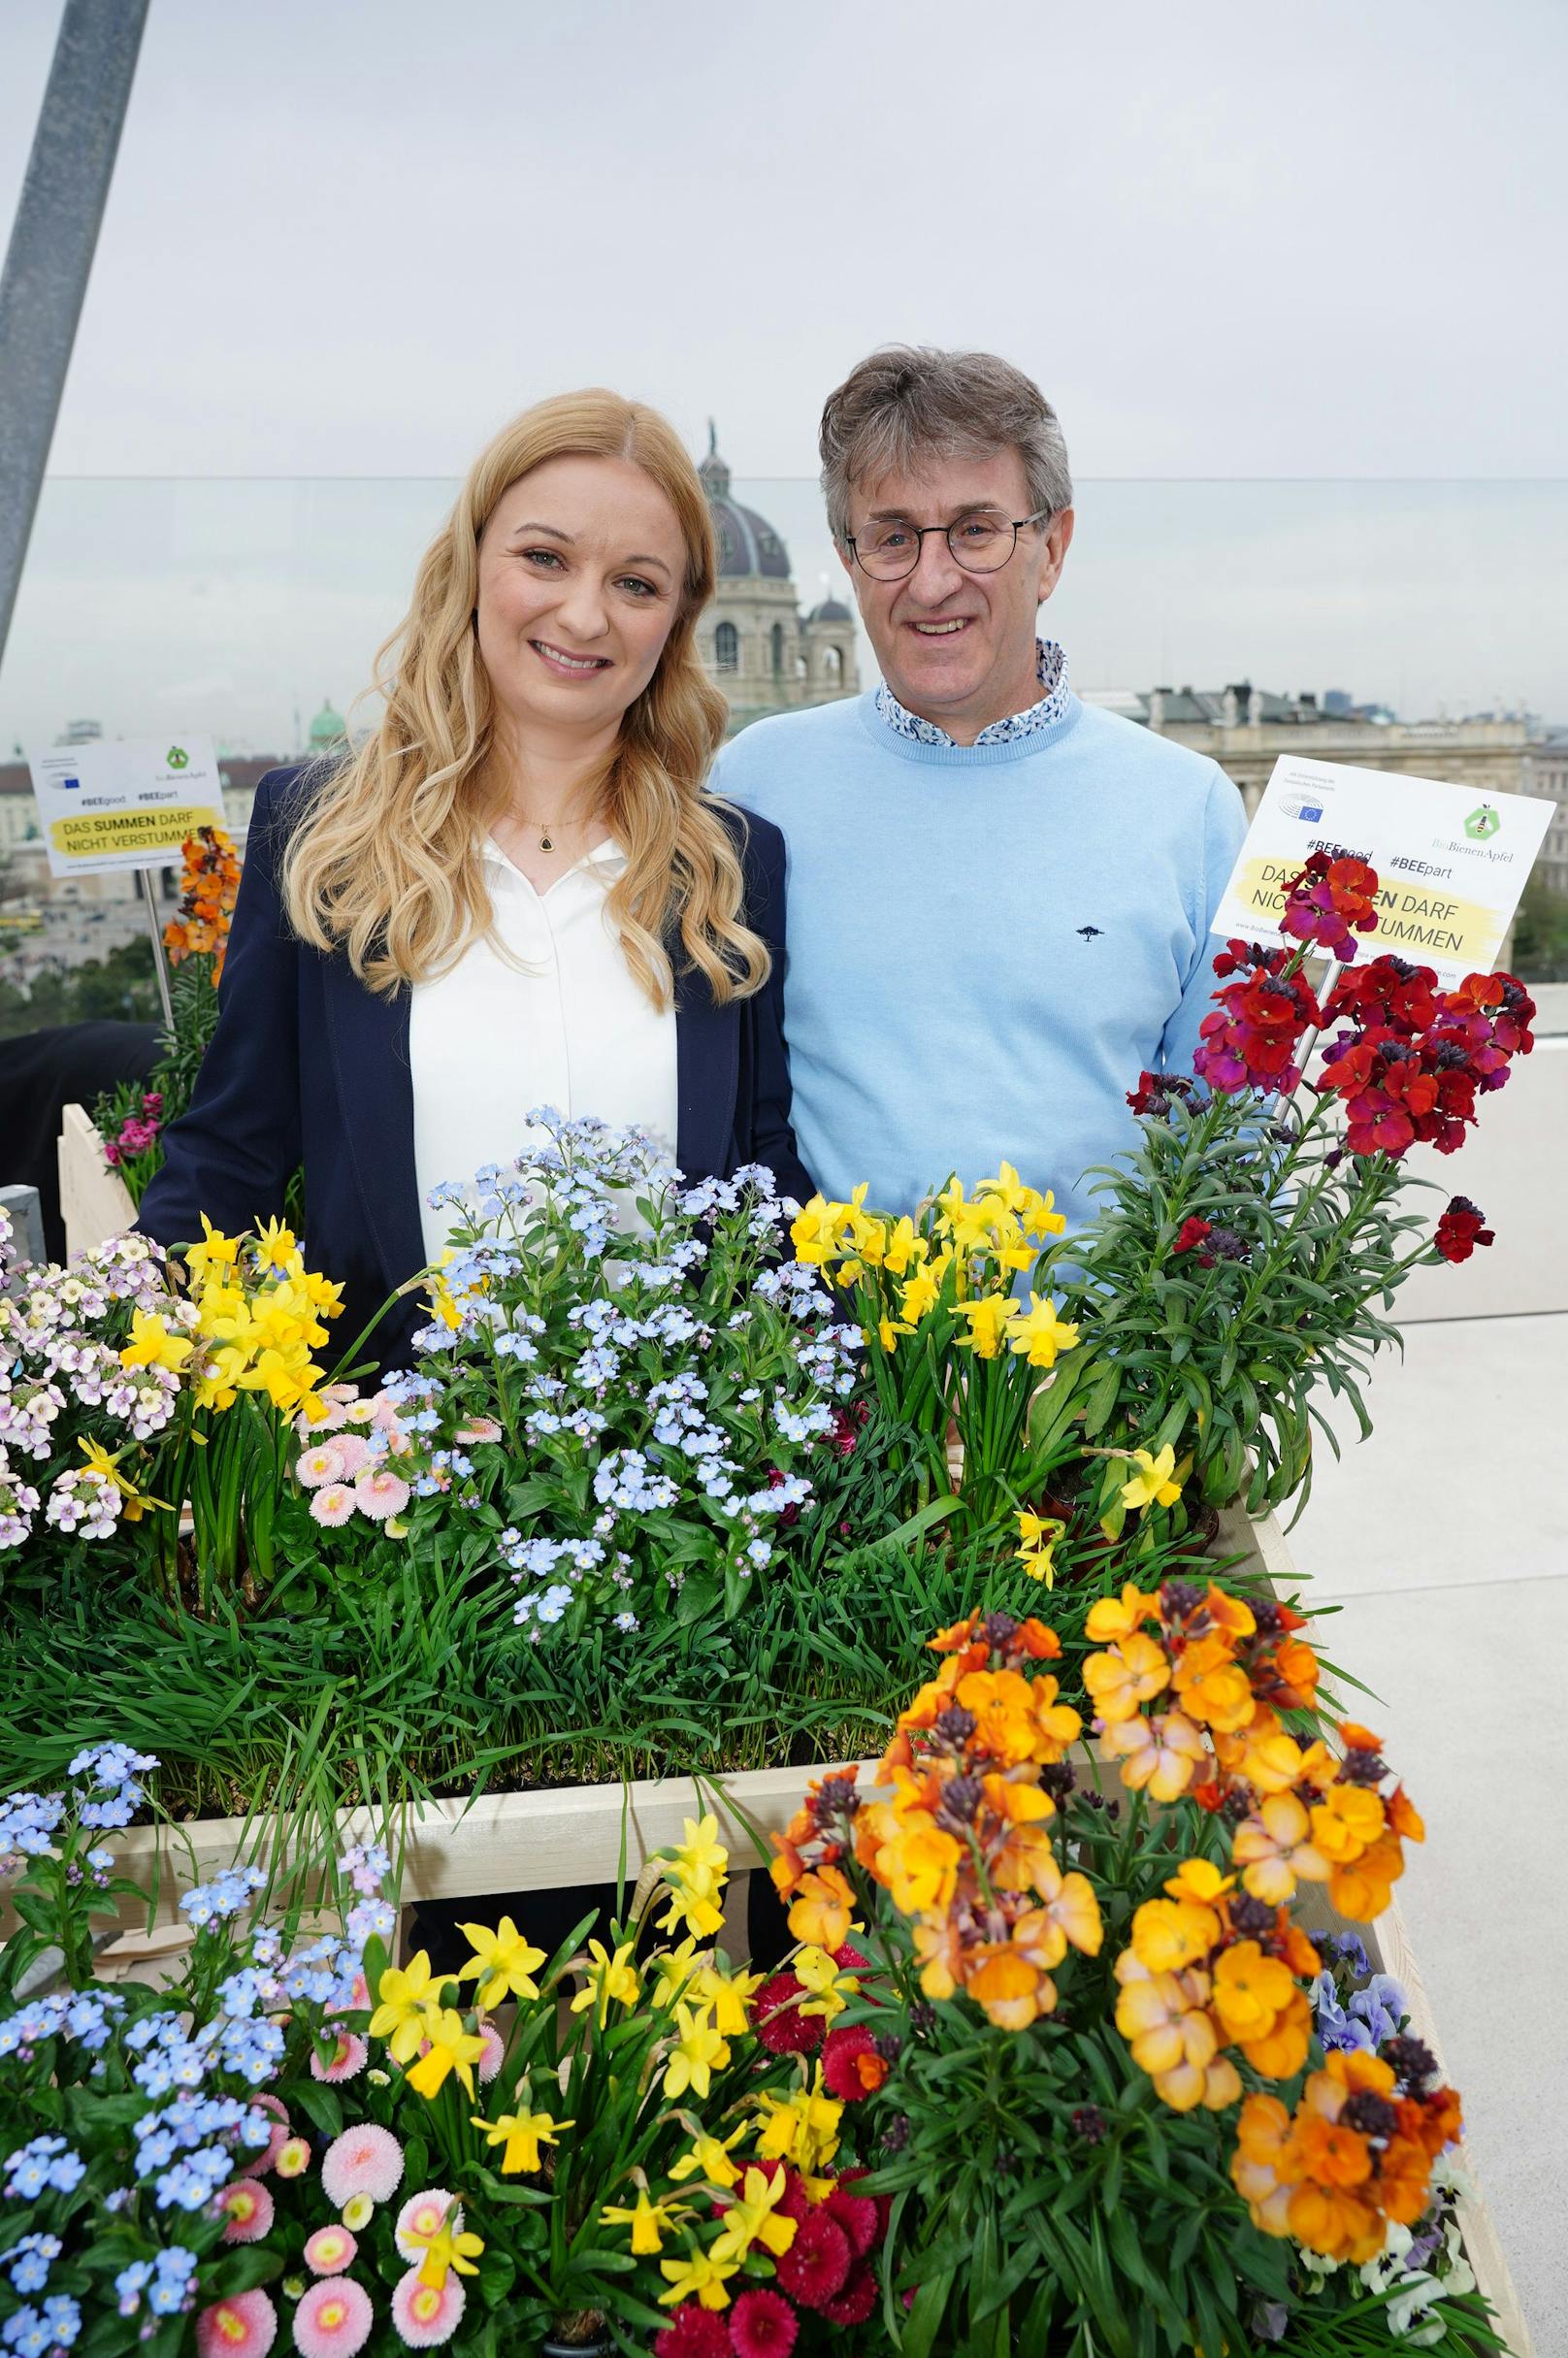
980	544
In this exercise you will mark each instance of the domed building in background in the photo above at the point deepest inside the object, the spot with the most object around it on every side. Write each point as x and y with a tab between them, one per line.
757	645
329	731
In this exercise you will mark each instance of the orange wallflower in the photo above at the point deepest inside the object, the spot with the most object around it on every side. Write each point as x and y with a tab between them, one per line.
1335	2223
1281	2050
1347	1821
1129	1674
1250	1991
823	1909
1405	2178
1160	1753
1363	1889
1013	1991
1336	2156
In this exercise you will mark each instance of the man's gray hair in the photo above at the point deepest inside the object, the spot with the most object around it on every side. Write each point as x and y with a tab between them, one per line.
909	402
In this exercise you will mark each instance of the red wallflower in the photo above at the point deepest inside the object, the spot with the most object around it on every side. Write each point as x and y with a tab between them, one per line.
763	2325
692	2332
1330	901
1491	1016
816	2264
1460	1230
851	2067
1192	1233
1388	999
1250	1039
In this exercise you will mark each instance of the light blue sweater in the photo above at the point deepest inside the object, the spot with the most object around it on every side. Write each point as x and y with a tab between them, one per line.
986	944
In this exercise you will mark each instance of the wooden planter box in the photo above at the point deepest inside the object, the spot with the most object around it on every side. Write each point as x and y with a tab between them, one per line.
557	1835
576	1834
95	1203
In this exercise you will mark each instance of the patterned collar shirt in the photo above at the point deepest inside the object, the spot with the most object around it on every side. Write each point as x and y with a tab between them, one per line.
1050	670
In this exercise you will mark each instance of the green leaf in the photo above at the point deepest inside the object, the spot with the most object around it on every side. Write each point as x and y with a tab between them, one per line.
926	2314
322	2106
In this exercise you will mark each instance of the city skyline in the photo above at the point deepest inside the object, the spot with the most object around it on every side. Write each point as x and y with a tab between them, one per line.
222	606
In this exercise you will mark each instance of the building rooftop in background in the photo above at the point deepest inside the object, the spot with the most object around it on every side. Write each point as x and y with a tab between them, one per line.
1246	729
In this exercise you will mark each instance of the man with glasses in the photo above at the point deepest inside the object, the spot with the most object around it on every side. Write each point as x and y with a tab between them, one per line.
999	897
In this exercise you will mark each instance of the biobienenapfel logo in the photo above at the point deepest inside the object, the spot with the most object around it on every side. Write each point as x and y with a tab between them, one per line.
178	757
1482	824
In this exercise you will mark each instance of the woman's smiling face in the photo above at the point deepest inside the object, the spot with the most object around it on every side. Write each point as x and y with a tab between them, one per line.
581	576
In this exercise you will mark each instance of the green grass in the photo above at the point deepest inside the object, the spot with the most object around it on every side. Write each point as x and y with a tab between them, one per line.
412	1680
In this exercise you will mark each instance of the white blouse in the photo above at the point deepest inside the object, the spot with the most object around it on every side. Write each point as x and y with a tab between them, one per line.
489	1040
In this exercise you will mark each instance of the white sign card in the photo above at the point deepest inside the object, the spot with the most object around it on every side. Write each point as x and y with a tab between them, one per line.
1451	861
124	806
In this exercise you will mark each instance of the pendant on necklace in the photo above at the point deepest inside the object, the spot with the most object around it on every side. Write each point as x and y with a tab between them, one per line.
545	845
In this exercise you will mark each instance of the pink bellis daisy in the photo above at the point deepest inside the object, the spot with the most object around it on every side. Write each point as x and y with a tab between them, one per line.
490	2062
333	2318
319	1465
243	2326
382	1494
367	2160
347	2061
333	1505
427	2314
249	2206
330	2251
353	1455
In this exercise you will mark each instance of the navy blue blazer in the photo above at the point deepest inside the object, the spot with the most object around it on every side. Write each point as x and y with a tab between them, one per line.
309	1066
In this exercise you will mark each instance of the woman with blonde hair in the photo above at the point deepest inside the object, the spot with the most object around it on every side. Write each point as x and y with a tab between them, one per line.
514	893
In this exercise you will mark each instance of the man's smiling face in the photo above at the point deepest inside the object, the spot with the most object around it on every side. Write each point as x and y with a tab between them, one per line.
958	647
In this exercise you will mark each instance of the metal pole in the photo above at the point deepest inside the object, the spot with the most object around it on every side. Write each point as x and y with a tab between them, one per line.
149	893
51	250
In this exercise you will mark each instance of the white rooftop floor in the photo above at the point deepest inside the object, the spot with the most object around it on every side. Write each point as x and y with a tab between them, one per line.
1441	1540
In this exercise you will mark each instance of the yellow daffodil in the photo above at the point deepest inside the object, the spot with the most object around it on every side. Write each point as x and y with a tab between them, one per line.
133	1503
451	2048
649	2221
700	2279
831	1990
699	2050
522	2135
1039	1534
801	2127
502	1963
674	1969
990	1318
888	1332
449	2249
276	1249
751	2218
608	1977
920	1297
813	1232
727	1996
903	1247
152	1345
1152	1485
1039	1334
708	2158
695	1876
216	1253
408	1999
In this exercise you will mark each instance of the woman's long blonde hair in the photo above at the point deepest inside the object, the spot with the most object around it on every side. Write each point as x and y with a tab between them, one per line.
386	864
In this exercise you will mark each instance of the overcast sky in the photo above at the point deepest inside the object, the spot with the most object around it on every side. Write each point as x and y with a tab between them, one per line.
1317	241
